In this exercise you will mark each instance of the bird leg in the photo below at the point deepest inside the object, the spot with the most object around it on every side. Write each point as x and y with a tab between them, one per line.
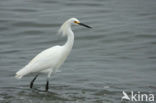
32	82
47	86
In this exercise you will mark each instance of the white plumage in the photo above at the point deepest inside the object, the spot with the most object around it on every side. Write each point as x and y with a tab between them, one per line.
47	60
52	58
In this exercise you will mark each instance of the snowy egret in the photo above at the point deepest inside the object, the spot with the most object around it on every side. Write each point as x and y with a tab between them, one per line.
49	60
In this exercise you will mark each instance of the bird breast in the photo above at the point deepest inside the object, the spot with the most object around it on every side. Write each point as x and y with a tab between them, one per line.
64	54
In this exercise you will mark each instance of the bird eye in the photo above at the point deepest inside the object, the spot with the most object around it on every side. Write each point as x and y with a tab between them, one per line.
76	22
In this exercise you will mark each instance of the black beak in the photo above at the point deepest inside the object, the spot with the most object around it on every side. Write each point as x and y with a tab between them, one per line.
84	25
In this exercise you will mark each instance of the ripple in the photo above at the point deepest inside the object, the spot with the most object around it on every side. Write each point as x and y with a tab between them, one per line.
33	24
24	10
117	54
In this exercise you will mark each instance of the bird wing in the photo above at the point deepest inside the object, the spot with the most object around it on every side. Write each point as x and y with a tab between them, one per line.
45	60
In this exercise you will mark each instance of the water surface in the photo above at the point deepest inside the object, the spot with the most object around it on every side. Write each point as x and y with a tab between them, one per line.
118	54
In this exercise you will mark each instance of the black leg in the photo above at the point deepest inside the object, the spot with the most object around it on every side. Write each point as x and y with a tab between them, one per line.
32	82
47	86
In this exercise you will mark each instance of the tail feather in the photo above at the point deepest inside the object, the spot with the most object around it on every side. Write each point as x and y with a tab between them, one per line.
21	73
17	76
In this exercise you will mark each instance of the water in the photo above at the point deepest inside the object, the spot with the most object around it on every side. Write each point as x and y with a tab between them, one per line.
119	53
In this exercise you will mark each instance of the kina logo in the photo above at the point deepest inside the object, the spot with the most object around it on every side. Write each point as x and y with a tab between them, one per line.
137	96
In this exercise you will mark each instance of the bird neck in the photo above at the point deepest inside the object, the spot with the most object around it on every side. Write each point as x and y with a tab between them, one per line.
70	38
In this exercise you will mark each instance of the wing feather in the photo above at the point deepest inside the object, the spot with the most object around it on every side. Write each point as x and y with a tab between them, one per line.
44	60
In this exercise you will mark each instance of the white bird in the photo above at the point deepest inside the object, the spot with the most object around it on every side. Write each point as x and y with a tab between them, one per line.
49	60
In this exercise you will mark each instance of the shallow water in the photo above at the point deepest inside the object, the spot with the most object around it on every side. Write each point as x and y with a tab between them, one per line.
118	54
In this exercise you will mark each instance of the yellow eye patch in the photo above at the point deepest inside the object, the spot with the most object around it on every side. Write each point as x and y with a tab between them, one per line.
77	22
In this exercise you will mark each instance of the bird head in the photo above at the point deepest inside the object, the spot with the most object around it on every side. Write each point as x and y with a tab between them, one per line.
68	23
